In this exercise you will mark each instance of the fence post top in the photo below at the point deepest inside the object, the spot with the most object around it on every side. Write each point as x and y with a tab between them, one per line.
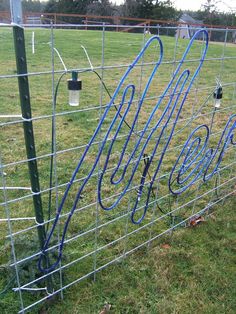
16	11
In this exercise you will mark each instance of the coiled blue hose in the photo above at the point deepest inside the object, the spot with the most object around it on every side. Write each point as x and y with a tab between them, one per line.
194	151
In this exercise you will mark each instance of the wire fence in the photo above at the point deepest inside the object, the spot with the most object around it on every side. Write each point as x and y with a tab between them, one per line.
146	146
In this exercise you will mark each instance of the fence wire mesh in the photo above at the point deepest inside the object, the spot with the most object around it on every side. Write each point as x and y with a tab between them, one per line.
149	148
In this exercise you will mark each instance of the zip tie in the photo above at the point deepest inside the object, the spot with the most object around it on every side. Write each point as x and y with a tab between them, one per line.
16	219
218	82
86	53
35	193
10	116
62	62
34	289
26	119
14	188
13	24
39	223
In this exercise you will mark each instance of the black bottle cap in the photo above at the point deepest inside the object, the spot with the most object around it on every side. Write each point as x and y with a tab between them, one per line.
218	93
74	85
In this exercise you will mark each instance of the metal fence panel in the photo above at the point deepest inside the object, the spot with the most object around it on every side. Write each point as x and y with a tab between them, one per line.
149	148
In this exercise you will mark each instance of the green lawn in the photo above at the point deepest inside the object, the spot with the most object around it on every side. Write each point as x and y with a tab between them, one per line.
193	274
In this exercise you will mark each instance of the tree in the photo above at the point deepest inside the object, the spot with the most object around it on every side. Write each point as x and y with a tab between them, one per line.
145	8
129	8
4	5
137	8
102	7
68	6
209	6
32	5
149	9
51	6
164	10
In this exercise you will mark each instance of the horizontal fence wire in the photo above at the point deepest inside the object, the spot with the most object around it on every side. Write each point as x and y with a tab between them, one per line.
148	149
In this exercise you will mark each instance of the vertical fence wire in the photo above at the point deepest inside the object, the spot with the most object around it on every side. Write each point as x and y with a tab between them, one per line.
99	146
13	251
54	145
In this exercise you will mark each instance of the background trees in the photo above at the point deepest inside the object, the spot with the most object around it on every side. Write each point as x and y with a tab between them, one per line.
148	9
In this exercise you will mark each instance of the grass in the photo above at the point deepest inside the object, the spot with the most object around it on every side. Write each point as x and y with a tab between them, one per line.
192	274
189	276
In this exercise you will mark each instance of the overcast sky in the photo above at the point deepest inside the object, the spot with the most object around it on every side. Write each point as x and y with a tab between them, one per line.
226	5
223	5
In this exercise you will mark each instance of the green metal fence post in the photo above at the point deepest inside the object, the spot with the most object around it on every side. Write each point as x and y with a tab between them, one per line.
21	65
24	92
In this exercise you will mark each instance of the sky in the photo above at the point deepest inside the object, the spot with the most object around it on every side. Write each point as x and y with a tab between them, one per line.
225	5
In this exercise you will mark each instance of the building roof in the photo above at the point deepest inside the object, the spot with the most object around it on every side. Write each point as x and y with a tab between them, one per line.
185	18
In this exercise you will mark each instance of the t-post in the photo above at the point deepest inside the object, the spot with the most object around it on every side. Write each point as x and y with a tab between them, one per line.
23	83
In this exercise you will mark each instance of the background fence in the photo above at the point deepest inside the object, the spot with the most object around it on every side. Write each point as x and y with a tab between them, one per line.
149	149
36	18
